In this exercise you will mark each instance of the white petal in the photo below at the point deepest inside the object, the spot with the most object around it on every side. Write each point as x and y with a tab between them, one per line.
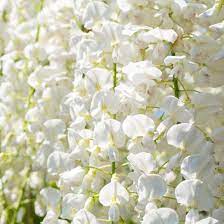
151	187
97	79
114	213
109	133
192	216
54	127
194	193
170	104
58	162
137	125
83	216
208	220
104	101
196	166
113	191
72	203
174	161
158	34
142	161
141	72
161	216
51	196
94	11
218	214
186	136
124	5
169	60
176	134
72	177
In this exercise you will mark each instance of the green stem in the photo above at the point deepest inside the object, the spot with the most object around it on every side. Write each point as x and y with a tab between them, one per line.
37	33
208	138
169	197
185	91
159	136
1	66
98	169
113	168
176	87
31	93
41	5
5	16
142	51
114	75
114	80
38	26
161	167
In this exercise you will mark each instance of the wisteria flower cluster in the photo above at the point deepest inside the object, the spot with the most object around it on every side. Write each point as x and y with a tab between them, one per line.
112	111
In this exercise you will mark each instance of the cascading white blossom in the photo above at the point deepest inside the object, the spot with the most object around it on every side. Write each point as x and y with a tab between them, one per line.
111	111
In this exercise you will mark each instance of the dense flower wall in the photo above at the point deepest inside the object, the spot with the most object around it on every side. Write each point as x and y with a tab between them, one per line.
112	111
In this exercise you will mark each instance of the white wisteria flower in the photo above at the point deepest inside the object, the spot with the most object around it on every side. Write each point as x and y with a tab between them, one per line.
109	133
186	136
151	187
142	161
112	193
161	216
137	125
83	216
195	194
